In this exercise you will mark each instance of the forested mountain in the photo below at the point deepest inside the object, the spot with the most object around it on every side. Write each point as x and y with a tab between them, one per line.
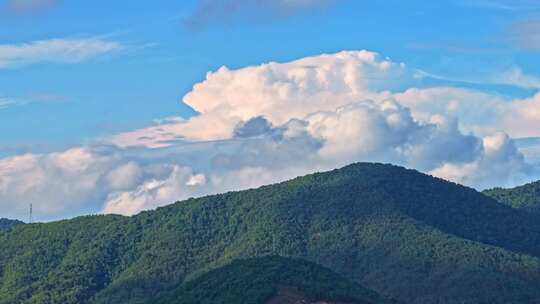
271	279
6	224
404	234
526	197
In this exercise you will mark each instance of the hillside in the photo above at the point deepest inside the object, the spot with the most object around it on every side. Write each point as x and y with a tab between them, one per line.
526	197
401	233
271	280
6	224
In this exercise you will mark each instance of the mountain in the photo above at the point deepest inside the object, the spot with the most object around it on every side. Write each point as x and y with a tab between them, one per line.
526	197
404	234
7	224
270	280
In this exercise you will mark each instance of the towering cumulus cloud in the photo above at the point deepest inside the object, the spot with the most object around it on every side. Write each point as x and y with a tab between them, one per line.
272	122
279	92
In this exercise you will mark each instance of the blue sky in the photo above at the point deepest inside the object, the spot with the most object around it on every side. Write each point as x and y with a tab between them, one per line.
105	82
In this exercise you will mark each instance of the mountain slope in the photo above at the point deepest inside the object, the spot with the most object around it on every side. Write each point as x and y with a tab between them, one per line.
404	234
6	224
271	280
526	197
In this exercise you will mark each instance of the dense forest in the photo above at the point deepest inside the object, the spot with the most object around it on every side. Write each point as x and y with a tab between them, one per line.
271	279
6	224
404	234
526	197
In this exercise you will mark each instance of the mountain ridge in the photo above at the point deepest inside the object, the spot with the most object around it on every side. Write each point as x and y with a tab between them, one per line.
271	279
401	233
7	224
525	197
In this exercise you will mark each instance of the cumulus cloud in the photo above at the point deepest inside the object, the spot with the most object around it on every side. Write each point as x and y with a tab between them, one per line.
210	11
284	90
277	91
325	111
530	148
479	112
275	121
524	117
55	51
177	183
500	157
80	180
65	182
124	176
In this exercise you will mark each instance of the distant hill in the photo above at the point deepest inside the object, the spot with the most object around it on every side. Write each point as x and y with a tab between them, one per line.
404	234
526	197
271	280
6	224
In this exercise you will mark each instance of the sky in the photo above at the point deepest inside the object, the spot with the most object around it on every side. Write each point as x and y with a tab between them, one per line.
118	107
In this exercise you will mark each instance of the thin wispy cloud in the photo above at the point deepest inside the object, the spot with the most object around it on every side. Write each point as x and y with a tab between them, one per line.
512	5
5	103
32	98
29	6
210	11
450	48
513	76
517	77
47	97
55	51
525	34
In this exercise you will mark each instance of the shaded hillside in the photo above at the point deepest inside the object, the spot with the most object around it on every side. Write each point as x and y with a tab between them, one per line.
526	197
6	224
271	280
402	233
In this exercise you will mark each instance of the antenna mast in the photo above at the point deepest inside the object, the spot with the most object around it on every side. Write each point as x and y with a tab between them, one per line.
31	217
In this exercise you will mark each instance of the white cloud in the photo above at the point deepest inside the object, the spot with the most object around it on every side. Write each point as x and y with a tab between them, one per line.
57	183
478	112
55	51
501	158
196	180
360	131
181	183
125	176
280	91
275	121
523	118
177	184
